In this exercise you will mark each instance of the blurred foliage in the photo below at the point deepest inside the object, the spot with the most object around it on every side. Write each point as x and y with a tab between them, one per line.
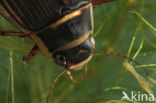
115	29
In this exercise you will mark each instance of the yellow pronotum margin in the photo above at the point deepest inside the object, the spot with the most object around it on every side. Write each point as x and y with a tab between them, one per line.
74	43
68	16
77	66
64	18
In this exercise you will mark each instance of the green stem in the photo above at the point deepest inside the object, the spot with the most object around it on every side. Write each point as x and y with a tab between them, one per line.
12	77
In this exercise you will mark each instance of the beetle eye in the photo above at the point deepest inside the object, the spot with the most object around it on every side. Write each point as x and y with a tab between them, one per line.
60	60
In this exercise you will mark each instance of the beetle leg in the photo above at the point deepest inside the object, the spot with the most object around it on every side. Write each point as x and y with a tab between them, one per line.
123	56
34	51
70	76
10	33
98	2
52	86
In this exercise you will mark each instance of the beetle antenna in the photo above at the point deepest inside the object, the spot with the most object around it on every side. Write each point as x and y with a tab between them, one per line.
70	76
121	55
52	86
85	72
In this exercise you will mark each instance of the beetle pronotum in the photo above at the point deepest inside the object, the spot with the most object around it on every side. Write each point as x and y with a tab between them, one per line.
72	19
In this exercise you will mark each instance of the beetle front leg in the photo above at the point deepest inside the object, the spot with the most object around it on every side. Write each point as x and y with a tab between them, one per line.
33	53
10	33
70	76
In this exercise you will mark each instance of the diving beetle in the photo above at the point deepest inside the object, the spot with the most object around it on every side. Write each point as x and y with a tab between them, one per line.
61	29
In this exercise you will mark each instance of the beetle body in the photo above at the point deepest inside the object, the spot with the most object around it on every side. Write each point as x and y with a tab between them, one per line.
61	29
